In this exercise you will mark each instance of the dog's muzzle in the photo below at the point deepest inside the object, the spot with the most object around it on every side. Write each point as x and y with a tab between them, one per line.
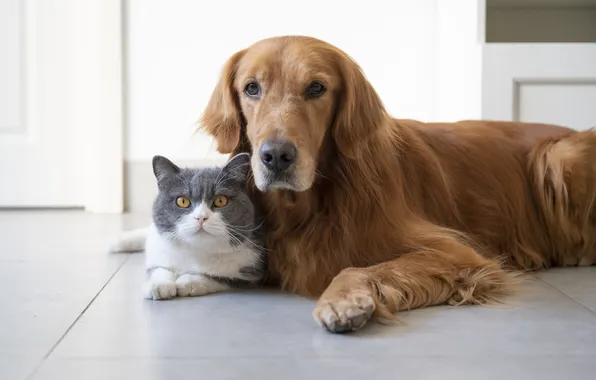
278	156
278	163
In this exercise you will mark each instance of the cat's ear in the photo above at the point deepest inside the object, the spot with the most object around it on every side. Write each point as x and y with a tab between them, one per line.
237	167
162	168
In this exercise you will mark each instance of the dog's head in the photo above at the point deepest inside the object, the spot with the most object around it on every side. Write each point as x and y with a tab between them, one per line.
289	95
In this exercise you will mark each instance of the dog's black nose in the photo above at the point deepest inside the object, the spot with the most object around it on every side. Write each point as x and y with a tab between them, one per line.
277	155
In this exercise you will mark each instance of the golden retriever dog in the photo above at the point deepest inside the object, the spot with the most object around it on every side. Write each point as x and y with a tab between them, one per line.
373	214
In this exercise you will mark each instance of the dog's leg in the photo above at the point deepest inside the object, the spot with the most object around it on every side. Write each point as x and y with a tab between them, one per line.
447	272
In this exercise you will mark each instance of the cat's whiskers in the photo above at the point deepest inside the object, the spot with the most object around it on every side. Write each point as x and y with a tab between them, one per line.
190	228
241	229
218	227
222	182
234	239
246	241
219	176
174	236
238	227
218	179
222	229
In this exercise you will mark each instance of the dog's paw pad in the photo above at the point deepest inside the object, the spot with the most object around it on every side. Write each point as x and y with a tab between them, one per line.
345	314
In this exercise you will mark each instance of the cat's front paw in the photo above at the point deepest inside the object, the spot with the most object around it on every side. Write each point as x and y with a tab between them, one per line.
157	289
193	286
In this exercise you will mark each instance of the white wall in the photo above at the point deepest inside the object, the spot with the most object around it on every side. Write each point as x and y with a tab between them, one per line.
460	37
176	50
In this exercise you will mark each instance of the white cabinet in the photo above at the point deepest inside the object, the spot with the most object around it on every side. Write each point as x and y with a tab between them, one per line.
539	61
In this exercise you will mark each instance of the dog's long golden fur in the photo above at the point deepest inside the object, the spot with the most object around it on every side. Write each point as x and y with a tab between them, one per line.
389	214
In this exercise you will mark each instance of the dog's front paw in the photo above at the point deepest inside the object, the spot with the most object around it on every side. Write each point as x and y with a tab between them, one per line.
344	314
160	289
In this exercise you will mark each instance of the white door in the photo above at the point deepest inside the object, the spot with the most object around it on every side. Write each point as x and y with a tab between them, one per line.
60	104
38	164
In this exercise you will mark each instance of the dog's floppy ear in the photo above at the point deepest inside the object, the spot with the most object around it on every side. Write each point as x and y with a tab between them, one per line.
360	111
222	118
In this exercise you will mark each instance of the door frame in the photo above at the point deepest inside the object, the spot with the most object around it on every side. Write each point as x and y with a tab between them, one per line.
99	67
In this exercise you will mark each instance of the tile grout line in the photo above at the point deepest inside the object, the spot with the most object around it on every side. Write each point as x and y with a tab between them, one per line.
47	355
566	295
154	359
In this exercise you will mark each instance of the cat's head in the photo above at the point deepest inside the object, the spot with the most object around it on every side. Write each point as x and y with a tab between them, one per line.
198	205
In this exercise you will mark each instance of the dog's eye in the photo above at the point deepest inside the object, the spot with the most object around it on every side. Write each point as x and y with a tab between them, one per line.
252	89
314	90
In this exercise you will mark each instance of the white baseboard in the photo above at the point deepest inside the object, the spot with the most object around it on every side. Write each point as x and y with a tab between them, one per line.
140	186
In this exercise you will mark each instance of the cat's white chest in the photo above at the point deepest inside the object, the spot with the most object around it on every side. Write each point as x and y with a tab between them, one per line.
210	255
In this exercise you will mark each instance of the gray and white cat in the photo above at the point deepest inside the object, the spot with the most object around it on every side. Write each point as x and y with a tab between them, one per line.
206	234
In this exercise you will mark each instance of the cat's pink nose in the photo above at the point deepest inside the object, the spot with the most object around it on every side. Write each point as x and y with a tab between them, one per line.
202	220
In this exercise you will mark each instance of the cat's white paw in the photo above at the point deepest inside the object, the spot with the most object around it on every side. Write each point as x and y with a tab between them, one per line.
193	286
159	289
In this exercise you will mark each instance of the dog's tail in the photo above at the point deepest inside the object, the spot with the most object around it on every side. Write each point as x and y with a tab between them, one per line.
564	176
130	241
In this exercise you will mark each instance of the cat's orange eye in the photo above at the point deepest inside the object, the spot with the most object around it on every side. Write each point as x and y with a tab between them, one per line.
220	201
182	202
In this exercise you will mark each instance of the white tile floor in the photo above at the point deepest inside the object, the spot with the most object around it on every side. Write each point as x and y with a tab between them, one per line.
69	310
